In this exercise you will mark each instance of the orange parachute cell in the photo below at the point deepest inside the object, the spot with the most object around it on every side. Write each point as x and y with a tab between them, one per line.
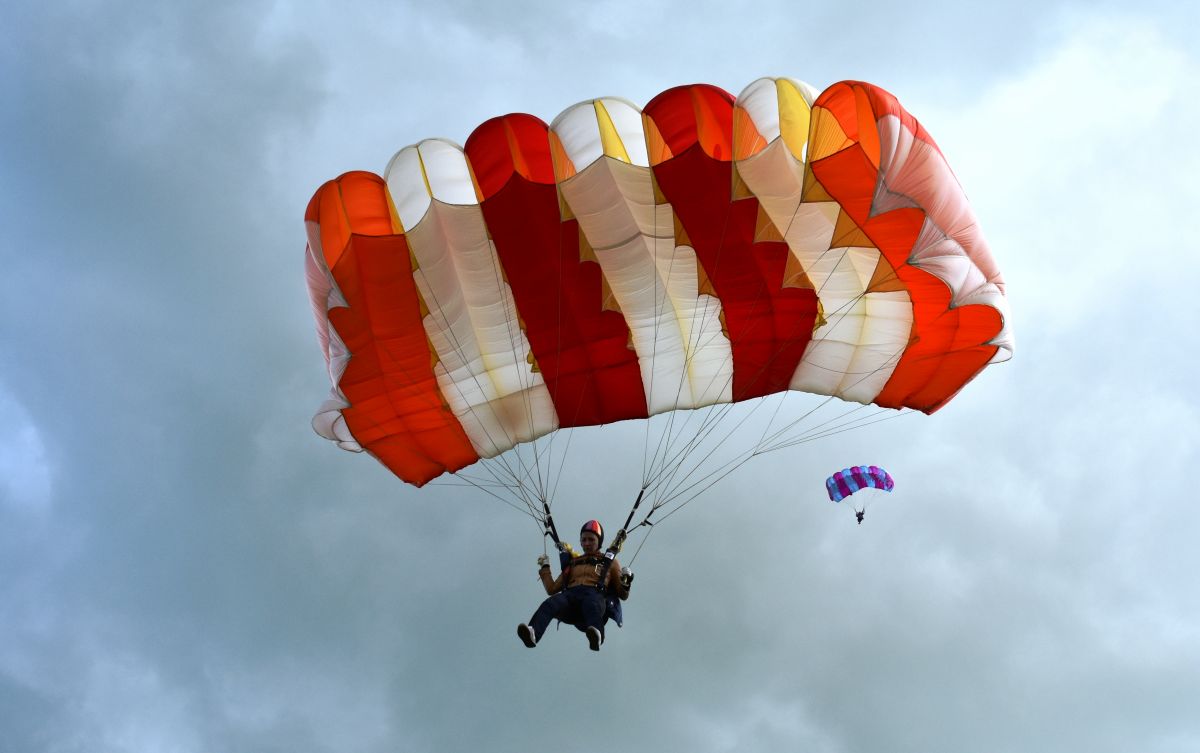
622	262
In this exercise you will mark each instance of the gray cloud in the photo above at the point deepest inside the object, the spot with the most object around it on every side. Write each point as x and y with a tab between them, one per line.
187	567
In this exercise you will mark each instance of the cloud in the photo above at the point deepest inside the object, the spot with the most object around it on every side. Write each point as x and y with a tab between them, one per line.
189	568
1075	166
25	475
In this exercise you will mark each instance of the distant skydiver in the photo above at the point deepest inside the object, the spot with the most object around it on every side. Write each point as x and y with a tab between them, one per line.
843	484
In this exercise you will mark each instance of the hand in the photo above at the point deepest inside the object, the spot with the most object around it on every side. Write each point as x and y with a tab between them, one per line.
626	577
543	561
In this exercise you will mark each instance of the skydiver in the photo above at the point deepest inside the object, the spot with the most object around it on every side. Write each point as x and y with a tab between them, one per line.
576	595
860	514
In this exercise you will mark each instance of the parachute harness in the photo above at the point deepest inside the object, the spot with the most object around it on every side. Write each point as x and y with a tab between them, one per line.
551	531
611	553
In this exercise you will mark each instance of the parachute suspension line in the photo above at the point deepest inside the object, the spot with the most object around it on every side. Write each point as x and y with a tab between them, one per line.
549	476
461	353
645	538
498	466
668	438
691	346
518	486
656	317
673	488
721	473
769	443
531	474
525	486
673	482
552	478
543	464
659	308
540	479
462	481
497	483
676	425
514	489
849	426
487	489
508	478
525	379
500	484
732	465
712	420
712	415
715	417
766	441
778	435
774	415
670	455
775	442
562	463
694	344
654	466
707	428
727	469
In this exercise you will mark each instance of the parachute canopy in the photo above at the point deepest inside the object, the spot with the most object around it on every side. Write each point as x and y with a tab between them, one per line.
844	483
623	262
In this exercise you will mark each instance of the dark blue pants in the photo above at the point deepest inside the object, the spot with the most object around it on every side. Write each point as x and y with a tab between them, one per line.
580	605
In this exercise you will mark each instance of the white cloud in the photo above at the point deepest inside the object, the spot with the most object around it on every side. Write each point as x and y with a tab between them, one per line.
1029	579
25	472
128	706
756	723
1078	169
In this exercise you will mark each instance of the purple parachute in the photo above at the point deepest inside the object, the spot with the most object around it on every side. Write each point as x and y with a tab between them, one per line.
844	483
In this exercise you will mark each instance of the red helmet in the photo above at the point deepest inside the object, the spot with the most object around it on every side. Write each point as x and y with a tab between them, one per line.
593	526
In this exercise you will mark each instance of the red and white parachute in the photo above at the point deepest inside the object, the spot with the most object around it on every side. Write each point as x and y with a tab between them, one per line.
621	263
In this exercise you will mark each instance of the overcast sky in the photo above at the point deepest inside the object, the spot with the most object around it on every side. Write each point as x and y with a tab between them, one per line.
186	567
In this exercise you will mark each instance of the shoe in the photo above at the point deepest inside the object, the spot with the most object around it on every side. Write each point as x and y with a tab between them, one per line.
594	638
527	635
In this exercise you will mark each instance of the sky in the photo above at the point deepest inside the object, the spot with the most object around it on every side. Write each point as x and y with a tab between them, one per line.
186	567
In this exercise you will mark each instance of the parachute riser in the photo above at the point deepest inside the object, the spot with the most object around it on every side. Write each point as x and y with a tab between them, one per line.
618	541
551	531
